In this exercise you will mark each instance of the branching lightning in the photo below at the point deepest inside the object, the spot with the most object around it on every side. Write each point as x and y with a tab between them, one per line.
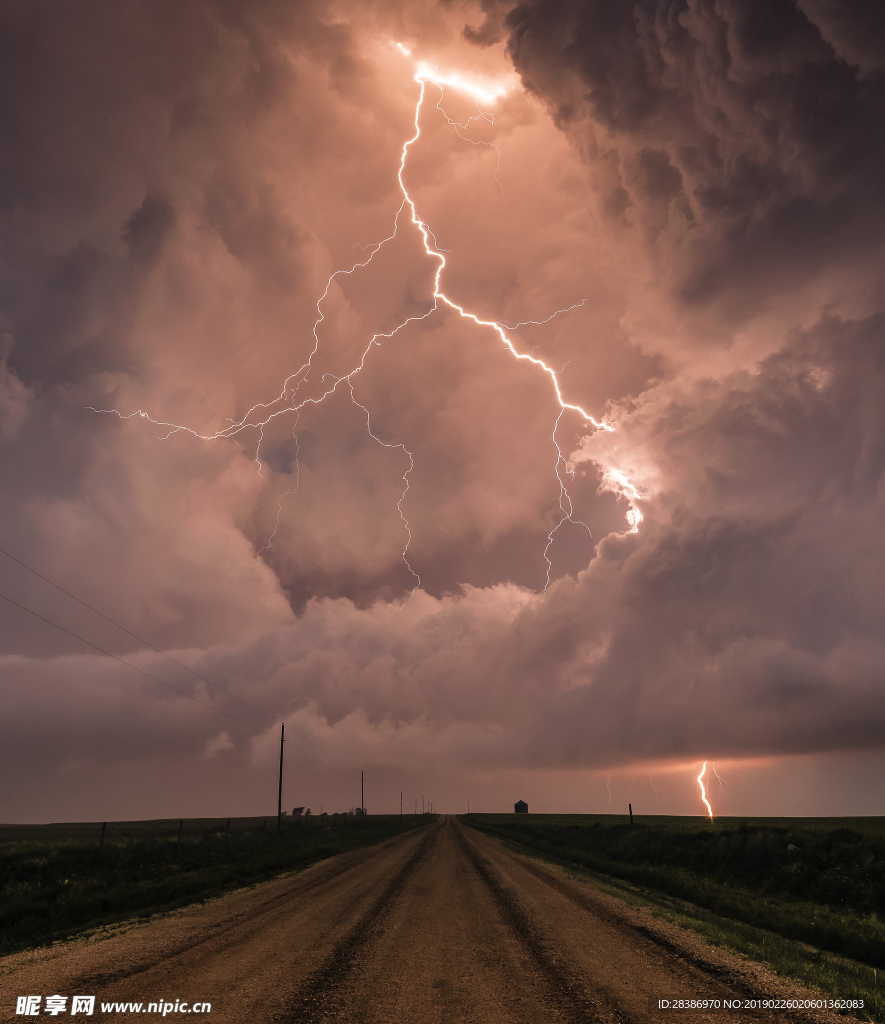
269	542
260	415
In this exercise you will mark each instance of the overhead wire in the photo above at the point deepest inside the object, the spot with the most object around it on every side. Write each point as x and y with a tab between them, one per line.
135	636
122	661
347	766
169	657
157	679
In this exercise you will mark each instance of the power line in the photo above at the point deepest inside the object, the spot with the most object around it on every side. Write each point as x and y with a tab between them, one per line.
187	668
135	636
134	668
325	764
169	657
347	764
149	675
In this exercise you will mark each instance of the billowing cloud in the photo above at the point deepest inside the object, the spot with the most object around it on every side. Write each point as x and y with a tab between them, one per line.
693	189
737	134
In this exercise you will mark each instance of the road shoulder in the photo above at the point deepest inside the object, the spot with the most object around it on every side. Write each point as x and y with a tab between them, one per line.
690	933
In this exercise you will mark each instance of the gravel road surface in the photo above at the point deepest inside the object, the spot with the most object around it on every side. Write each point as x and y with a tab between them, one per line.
437	926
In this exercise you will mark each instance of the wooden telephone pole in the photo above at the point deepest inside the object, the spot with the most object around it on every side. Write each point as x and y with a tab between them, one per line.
280	793
362	799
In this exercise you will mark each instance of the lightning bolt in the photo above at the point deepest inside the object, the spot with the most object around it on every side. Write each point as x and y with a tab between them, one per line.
260	415
483	115
704	791
269	542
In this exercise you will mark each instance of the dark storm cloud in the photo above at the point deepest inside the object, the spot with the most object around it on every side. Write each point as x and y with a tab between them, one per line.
741	138
854	28
179	182
111	115
146	229
750	612
491	30
752	121
129	139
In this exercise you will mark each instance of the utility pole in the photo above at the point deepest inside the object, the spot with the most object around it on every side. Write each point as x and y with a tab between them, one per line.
630	806
362	799
400	805
280	793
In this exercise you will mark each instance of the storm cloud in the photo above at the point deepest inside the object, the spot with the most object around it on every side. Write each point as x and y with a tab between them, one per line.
693	188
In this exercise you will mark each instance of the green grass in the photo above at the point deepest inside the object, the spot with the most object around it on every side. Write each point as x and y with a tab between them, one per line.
56	880
812	913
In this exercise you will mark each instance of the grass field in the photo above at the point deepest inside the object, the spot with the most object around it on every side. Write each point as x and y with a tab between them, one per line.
58	880
804	895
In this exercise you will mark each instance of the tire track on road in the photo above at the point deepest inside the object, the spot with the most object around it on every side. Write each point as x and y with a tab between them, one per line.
330	871
722	975
564	988
312	1003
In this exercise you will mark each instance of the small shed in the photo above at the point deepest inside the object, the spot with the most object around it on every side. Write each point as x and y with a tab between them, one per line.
520	807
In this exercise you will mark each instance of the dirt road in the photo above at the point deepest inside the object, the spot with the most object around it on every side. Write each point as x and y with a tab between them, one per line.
438	926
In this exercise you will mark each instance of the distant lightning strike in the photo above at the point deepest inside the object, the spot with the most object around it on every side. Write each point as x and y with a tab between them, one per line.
704	791
261	414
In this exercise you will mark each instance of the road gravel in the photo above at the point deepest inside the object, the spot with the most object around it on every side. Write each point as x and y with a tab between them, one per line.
441	925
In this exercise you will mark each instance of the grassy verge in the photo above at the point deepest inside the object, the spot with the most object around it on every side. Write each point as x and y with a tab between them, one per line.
56	881
663	889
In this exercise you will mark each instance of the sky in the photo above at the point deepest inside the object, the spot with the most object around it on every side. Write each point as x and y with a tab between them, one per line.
494	393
